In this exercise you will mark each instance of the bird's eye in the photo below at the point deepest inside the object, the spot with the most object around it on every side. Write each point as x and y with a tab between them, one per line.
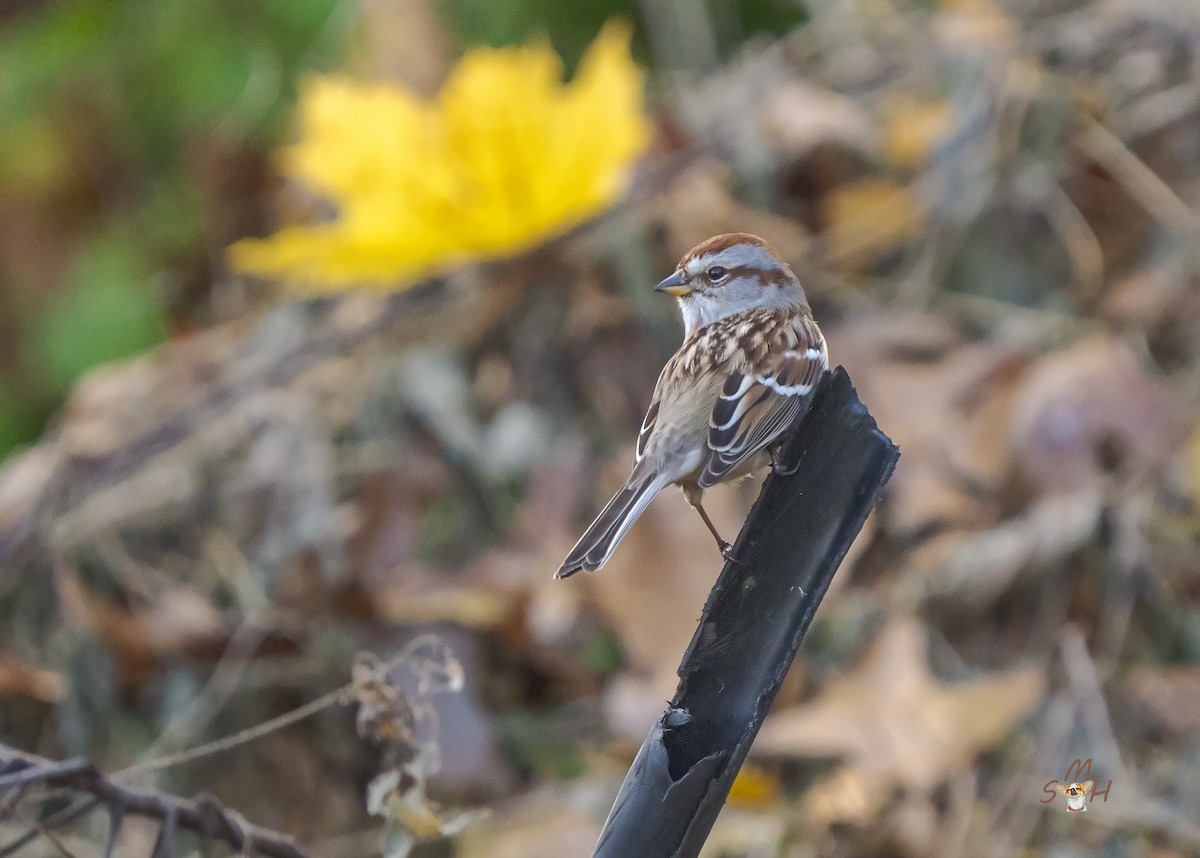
717	273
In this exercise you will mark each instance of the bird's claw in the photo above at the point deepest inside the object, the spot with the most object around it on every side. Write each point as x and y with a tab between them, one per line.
727	552
777	467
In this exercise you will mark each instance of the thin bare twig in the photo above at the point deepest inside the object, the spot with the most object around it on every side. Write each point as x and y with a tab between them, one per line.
49	835
259	730
240	738
202	816
62	818
1151	192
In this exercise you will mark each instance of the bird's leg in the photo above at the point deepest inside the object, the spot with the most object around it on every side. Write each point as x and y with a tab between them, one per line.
693	498
777	466
724	546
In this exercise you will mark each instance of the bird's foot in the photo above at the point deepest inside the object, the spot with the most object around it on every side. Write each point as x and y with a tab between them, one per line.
777	466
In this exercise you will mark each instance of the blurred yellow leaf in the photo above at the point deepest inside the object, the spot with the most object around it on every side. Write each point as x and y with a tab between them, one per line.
754	786
1194	450
912	128
868	218
465	606
504	157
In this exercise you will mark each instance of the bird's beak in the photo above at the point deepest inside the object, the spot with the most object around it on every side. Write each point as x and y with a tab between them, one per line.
675	286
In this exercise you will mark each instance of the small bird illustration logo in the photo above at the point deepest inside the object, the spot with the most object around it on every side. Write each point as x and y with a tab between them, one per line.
1076	795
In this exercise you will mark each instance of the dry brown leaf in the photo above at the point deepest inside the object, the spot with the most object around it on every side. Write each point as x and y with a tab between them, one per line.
977	566
540	825
1088	409
417	25
114	403
655	584
1143	300
117	627
848	795
19	679
892	717
178	618
652	591
177	622
700	204
945	403
1169	697
799	116
749	833
760	112
974	25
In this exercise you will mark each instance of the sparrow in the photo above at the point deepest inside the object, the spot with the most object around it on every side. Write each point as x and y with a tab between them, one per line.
750	360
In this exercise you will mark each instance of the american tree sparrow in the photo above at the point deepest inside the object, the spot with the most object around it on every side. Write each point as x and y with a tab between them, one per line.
750	360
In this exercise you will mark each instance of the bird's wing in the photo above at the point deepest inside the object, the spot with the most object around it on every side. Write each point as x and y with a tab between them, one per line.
766	393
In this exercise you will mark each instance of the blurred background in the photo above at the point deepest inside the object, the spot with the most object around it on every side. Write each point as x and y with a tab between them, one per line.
326	325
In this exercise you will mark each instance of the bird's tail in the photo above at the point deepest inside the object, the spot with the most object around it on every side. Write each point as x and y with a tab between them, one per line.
602	536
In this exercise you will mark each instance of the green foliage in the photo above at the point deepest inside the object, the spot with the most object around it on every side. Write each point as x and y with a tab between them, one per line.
156	72
601	653
530	743
114	115
103	314
569	26
572	26
18	420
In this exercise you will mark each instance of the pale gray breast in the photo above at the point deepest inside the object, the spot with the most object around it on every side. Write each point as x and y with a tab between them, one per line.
685	401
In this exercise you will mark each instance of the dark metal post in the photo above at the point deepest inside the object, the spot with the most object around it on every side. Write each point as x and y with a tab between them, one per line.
757	613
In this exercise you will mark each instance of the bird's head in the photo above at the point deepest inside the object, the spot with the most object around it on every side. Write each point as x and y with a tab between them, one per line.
730	274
